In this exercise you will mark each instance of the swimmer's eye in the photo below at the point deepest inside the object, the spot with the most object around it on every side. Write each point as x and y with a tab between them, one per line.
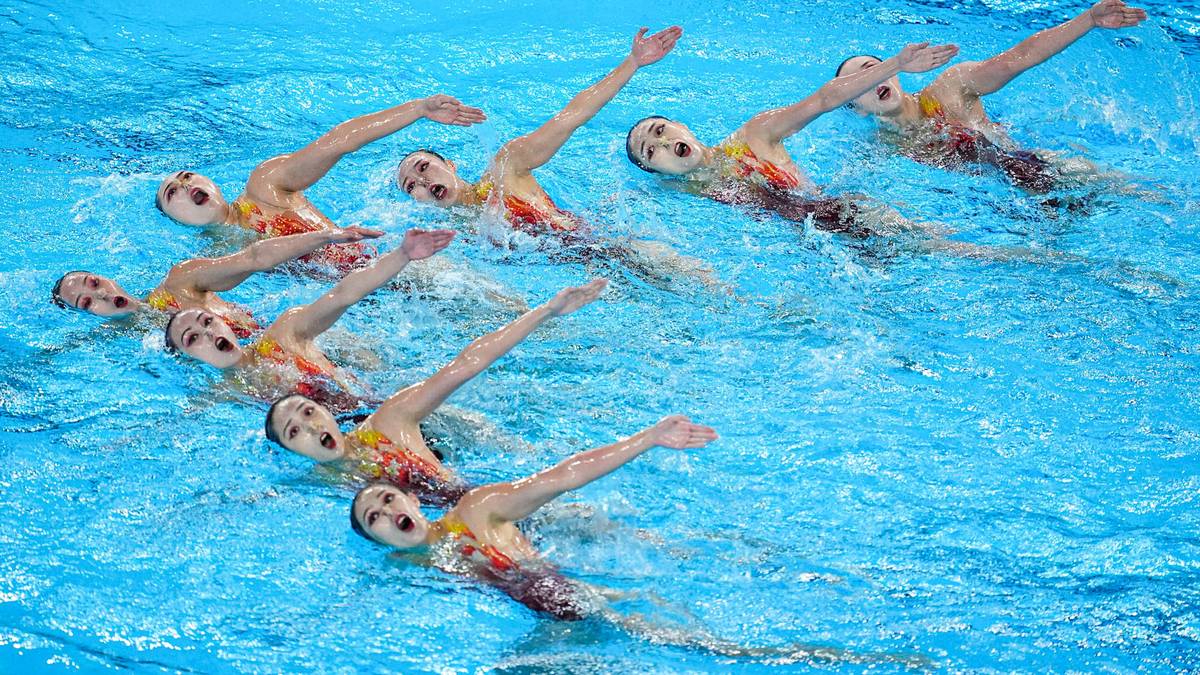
206	321
650	152
308	412
93	282
659	130
187	175
371	518
292	432
189	340
866	65
411	185
422	166
387	499
170	193
84	303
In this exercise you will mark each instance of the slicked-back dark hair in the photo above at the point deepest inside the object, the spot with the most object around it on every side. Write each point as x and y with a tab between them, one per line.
56	291
354	524
424	150
267	428
838	72
629	143
170	344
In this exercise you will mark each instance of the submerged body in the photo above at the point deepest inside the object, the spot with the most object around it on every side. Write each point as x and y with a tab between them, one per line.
286	358
478	536
752	168
946	125
388	445
273	203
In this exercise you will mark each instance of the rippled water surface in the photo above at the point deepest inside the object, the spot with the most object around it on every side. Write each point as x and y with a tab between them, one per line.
990	464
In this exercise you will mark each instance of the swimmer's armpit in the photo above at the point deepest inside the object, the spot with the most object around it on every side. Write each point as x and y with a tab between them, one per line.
985	77
311	320
532	150
224	273
303	168
516	500
415	403
775	125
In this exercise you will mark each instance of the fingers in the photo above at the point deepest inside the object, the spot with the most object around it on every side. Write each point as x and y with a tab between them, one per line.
365	233
640	33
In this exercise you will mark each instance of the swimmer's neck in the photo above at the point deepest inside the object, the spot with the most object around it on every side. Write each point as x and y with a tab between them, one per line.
908	114
707	166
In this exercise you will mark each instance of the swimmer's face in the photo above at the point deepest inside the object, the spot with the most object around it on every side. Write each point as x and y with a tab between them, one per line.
203	335
96	295
665	146
307	428
884	99
429	179
390	516
191	199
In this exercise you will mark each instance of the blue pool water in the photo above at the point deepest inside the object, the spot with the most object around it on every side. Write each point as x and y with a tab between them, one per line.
989	464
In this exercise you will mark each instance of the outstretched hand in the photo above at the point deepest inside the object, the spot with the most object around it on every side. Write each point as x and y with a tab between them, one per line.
350	235
420	244
647	50
570	299
921	57
679	432
1116	14
448	110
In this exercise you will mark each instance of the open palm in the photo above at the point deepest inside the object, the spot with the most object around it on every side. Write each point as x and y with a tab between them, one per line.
449	110
679	432
921	57
647	50
570	299
1116	14
420	244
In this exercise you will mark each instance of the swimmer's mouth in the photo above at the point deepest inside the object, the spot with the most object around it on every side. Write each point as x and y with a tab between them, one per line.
438	192
199	196
884	92
327	441
682	149
224	345
120	301
404	523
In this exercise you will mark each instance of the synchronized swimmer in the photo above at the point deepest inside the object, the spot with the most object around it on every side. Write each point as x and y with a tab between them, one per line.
477	536
945	124
273	203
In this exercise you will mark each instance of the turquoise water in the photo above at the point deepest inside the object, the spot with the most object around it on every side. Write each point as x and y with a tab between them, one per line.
991	464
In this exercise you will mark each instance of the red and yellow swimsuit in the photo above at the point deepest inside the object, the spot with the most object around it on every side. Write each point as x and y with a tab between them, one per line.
165	301
314	378
525	215
495	558
745	164
342	256
389	461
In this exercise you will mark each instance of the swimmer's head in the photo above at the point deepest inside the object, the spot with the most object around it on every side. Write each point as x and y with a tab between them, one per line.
306	428
191	199
658	145
430	178
884	99
203	335
387	515
93	294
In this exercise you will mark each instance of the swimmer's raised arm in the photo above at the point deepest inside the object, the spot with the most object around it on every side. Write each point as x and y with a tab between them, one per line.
518	499
775	125
414	403
299	170
311	320
224	273
984	77
532	150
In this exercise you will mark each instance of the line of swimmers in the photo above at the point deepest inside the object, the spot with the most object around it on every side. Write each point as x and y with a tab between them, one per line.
944	124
